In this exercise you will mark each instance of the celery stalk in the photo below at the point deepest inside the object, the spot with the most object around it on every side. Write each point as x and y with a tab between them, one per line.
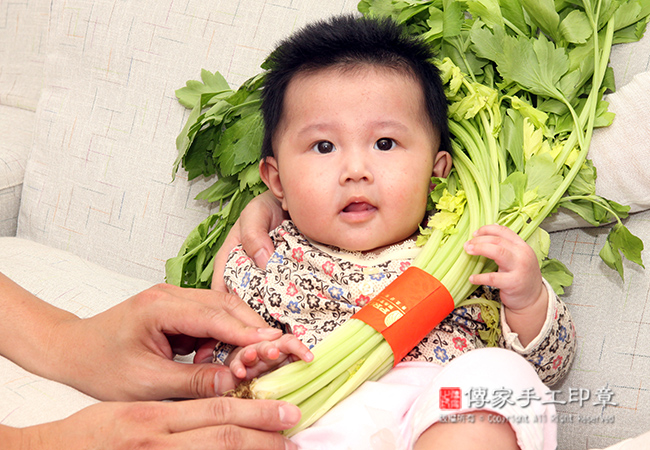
343	341
380	357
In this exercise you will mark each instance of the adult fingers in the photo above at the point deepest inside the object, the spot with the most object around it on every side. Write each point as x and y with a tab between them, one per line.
205	351
261	215
232	240
202	313
267	415
180	380
229	437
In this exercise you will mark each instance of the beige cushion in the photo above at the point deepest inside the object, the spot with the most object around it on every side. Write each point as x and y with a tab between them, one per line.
23	39
16	129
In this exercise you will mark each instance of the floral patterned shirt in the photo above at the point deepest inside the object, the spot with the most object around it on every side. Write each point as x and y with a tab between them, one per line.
308	290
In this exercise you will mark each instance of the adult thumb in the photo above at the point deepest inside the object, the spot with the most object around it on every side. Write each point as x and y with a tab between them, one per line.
199	380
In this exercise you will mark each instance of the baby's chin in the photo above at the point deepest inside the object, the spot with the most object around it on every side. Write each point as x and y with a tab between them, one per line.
371	247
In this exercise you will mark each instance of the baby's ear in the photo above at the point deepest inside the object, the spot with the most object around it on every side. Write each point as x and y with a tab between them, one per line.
442	165
270	175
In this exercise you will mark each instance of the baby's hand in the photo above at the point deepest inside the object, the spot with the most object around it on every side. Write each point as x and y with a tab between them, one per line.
519	278
255	359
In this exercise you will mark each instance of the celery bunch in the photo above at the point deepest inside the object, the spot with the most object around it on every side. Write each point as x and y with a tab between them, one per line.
524	81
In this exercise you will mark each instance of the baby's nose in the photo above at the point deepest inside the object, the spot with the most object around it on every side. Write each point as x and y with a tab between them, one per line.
356	169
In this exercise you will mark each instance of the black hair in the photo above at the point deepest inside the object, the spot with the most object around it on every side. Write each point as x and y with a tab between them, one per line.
347	40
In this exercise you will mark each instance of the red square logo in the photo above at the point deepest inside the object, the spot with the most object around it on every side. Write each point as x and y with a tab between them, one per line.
450	398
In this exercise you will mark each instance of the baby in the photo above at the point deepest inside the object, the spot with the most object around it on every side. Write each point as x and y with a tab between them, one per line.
356	127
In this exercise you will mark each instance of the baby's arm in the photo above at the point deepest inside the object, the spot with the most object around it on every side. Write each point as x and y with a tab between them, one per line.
519	279
255	359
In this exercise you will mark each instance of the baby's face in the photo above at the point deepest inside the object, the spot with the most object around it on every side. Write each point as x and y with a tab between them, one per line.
355	153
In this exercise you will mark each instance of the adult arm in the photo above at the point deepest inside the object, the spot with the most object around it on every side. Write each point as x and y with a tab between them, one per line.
216	423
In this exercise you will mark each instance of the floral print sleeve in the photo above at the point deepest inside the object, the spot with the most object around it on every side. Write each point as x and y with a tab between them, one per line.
552	351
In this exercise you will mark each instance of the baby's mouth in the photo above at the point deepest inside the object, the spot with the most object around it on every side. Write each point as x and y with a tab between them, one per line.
356	207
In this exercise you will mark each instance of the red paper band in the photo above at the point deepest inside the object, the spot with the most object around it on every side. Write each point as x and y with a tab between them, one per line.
407	310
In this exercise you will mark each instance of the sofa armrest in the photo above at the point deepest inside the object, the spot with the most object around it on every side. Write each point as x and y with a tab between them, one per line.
16	129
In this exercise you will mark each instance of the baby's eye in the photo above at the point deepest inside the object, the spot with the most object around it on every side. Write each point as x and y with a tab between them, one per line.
385	144
324	147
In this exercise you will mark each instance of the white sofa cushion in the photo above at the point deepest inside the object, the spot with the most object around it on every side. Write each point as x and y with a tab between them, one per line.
23	37
16	129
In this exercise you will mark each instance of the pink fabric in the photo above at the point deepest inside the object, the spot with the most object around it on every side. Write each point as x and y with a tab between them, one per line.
392	412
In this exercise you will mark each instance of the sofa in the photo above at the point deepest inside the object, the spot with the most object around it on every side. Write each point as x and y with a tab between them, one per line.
89	212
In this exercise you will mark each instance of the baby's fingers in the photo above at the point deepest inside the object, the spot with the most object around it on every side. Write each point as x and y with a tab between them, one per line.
500	231
246	357
493	279
493	248
291	345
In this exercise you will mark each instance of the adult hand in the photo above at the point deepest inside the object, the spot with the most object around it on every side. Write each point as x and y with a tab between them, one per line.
217	423
126	352
261	215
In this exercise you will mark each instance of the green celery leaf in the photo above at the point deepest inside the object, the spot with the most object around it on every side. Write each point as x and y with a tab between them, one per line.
215	81
620	240
408	14
557	275
536	65
250	90
185	138
488	44
571	84
575	27
631	12
240	143
182	269
513	14
622	211
190	95
513	137
488	10
512	191
249	176
630	245
453	18
632	33
583	208
198	159
382	8
537	117
221	190
604	118
585	181
542	12
540	242
541	172
439	188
